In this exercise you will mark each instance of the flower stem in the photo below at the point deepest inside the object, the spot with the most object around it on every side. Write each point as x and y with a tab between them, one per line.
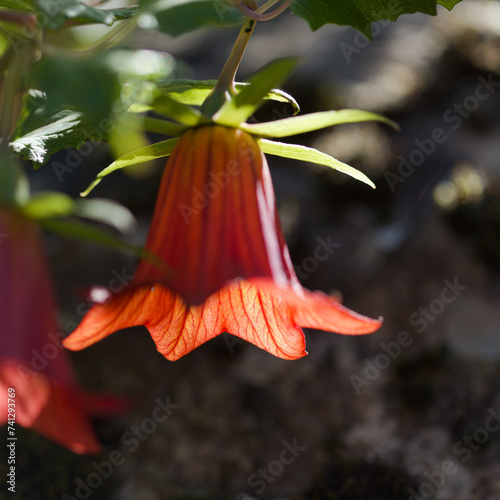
224	88
259	14
13	184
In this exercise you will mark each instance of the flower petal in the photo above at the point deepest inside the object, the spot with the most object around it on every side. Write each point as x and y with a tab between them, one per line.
49	407
215	217
32	359
318	310
259	312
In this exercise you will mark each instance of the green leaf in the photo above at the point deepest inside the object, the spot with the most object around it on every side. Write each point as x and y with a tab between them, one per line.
86	84
360	14
86	232
51	205
46	205
82	98
249	98
175	17
180	112
106	211
160	126
53	14
122	14
194	92
17	4
313	121
311	155
157	150
42	131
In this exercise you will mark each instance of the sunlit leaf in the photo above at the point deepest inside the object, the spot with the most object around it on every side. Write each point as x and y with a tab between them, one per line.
162	126
313	121
194	92
157	150
311	155
180	112
361	14
42	131
249	98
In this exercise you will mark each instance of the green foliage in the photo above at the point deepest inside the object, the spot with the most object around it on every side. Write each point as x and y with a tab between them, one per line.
175	17
152	152
83	231
53	15
43	131
84	84
313	121
249	98
194	92
81	98
17	4
361	14
311	155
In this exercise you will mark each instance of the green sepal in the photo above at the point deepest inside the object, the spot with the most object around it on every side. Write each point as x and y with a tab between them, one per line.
238	109
313	121
160	126
311	155
178	111
84	231
194	92
156	150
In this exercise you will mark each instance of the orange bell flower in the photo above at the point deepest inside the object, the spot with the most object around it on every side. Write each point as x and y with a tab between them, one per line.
34	368
225	266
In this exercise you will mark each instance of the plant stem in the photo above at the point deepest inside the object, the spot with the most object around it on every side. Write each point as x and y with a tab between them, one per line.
258	14
12	84
120	31
225	84
13	183
114	35
228	73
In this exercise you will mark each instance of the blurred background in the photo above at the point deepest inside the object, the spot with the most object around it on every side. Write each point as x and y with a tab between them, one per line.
409	412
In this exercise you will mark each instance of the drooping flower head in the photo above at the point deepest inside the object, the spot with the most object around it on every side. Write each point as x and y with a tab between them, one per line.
226	265
216	260
32	359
